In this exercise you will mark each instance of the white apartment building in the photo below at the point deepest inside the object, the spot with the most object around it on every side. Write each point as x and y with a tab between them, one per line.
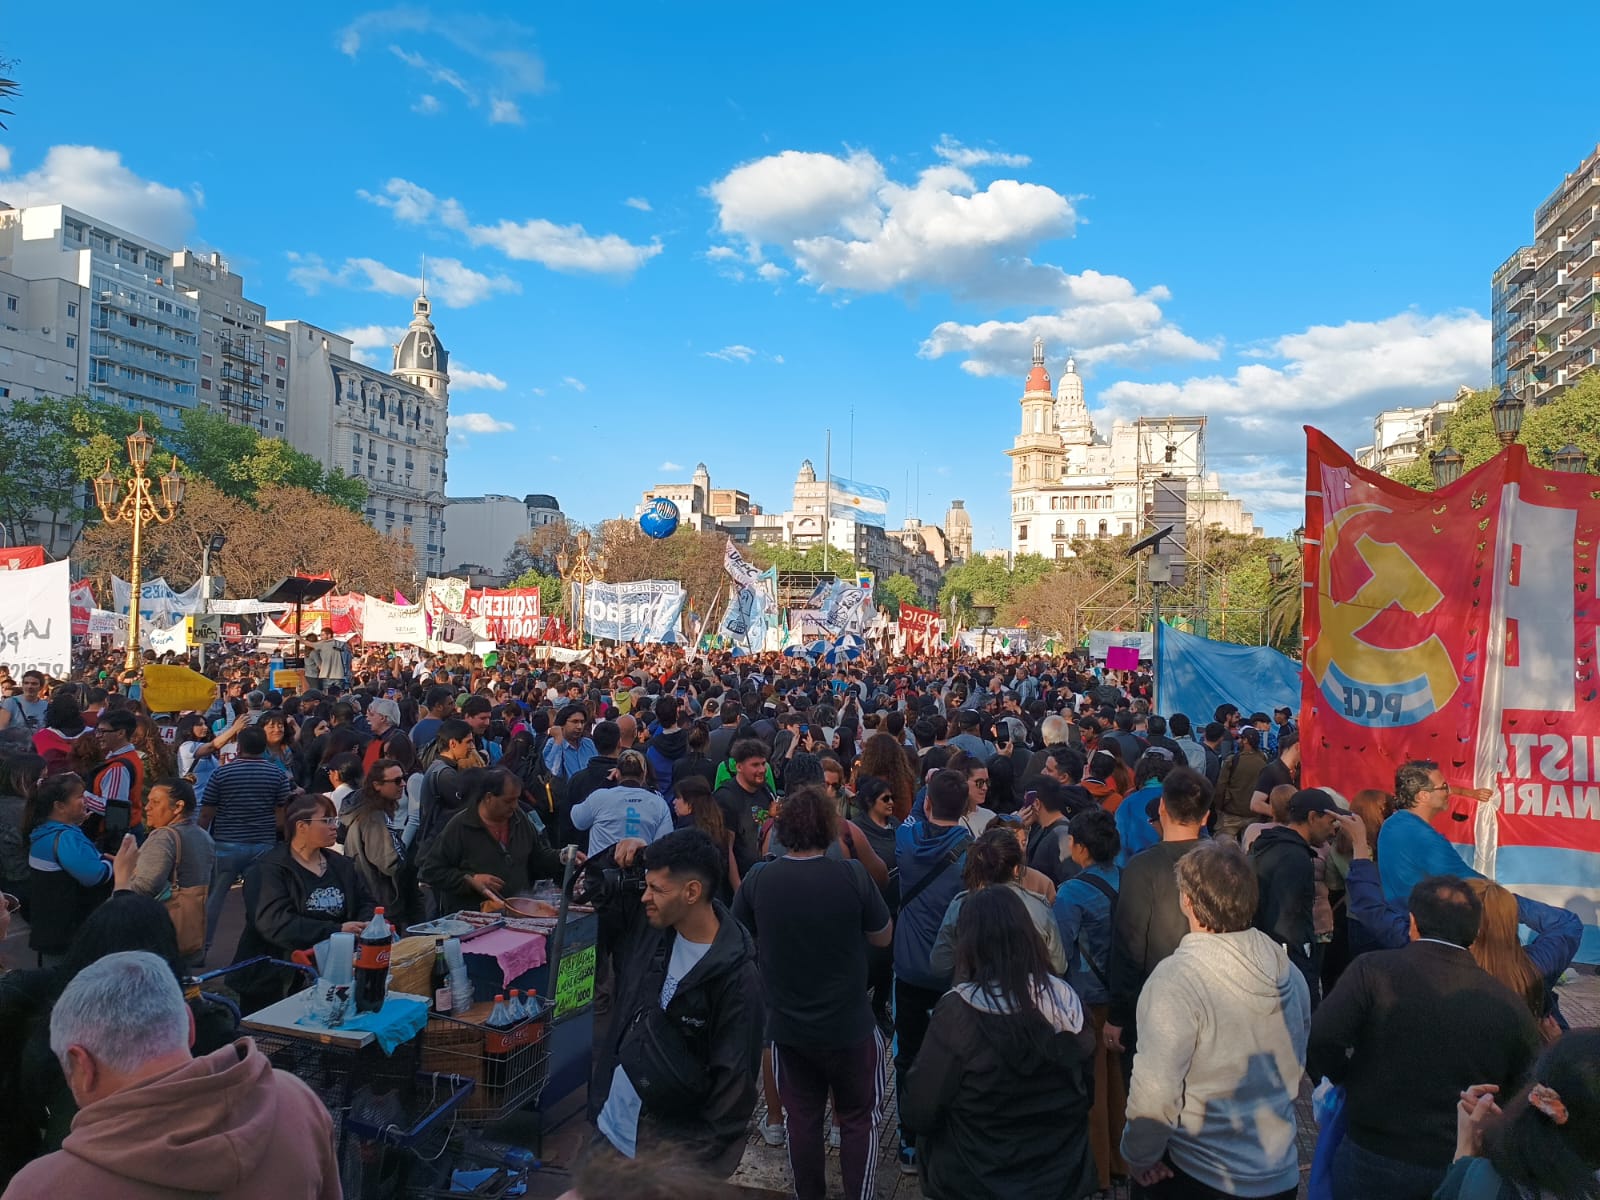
482	530
1067	481
97	311
1400	436
1545	298
244	362
388	429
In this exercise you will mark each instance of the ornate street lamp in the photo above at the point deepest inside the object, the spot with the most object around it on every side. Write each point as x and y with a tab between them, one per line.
1275	566
137	507
578	570
1570	459
1507	413
1446	464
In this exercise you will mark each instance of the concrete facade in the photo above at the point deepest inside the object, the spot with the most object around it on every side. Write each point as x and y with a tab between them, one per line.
482	530
244	362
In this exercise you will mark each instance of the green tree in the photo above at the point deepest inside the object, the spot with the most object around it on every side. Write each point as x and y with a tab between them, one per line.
896	590
987	580
791	560
552	592
50	447
241	462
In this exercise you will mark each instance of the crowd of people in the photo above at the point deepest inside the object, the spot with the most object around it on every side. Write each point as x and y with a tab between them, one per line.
1093	942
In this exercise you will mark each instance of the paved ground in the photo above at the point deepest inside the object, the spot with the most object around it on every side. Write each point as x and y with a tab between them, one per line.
765	1170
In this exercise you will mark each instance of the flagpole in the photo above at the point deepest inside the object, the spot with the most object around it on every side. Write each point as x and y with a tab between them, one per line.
827	499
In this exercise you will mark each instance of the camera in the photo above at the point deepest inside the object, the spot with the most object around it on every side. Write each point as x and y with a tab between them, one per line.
603	882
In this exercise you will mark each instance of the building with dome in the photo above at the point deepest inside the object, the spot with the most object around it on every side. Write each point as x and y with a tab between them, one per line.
386	428
1069	481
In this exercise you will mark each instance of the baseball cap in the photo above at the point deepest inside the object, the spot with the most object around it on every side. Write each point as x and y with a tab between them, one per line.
1310	800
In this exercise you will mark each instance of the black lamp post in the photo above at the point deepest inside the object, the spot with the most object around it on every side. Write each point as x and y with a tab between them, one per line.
1570	459
1446	464
1507	413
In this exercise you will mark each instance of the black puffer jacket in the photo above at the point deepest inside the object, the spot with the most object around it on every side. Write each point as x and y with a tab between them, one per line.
1285	870
995	1113
717	1009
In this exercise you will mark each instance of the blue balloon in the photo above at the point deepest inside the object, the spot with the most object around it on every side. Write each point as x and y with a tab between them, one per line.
660	519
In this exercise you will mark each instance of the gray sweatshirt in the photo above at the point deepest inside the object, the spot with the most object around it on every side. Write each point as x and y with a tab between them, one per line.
1222	1027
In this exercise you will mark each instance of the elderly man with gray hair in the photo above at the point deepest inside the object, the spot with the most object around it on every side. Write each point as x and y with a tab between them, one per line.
383	718
153	1122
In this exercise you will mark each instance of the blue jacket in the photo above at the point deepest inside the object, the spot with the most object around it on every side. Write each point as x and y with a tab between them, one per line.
1556	932
1083	914
1410	850
920	847
1133	826
55	845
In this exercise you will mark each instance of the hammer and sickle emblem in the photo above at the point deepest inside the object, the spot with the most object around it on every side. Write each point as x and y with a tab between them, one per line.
1395	579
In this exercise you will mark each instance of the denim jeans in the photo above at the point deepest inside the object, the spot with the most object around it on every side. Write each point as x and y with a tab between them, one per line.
233	860
1362	1175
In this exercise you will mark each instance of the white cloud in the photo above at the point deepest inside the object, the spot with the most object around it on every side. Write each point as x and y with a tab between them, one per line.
427	105
669	465
1107	320
537	391
572	381
771	272
1337	377
847	226
778	358
475	54
454	284
478	422
438	74
465	379
97	181
5	158
955	153
504	112
374	344
741	354
638	202
567	248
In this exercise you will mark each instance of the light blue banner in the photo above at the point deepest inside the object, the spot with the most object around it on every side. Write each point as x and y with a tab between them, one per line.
646	610
1194	675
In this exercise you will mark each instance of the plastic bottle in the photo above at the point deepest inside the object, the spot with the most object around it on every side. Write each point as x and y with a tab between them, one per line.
439	980
494	1067
517	1010
499	1015
372	963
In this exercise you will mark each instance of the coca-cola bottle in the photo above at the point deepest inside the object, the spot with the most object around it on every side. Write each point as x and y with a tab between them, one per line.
372	963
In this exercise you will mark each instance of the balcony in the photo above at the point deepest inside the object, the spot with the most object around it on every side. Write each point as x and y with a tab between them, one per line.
1519	354
1519	299
146	334
240	398
166	365
1580	261
1582	189
1586	332
1521	266
230	348
1585	225
1578	294
145	388
241	375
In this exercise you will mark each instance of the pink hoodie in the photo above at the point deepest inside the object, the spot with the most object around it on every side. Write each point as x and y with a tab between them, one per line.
226	1126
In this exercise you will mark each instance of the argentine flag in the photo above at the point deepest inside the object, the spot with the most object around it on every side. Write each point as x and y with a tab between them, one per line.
859	502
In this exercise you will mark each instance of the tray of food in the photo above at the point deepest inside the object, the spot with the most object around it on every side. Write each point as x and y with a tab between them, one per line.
462	925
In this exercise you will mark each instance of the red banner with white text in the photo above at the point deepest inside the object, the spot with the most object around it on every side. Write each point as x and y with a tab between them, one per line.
20	558
917	627
1459	626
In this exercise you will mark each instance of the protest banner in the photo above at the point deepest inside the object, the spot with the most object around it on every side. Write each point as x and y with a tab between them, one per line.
1101	641
36	620
19	558
645	610
395	623
916	626
509	614
1459	626
80	600
1194	675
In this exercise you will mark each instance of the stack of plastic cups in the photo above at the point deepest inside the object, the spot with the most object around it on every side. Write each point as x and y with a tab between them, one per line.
461	993
335	987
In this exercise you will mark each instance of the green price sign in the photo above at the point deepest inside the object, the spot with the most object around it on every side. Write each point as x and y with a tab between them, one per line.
575	982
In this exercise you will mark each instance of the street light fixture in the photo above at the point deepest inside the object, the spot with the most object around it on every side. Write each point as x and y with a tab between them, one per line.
1570	459
1275	566
136	507
579	570
1447	465
1507	413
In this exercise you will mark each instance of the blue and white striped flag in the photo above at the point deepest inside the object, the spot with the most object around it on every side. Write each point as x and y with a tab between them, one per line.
862	503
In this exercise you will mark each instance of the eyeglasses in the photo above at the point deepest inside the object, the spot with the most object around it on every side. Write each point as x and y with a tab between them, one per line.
395	779
322	820
983	783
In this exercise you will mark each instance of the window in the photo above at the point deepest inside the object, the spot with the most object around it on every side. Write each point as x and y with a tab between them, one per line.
11	303
277	426
1061	549
279	382
1127	528
72	341
1022	532
205	360
205	385
72	308
1061	529
1083	528
281	363
1103	530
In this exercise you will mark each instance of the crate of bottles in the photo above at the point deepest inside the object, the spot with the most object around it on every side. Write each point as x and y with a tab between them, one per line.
508	1060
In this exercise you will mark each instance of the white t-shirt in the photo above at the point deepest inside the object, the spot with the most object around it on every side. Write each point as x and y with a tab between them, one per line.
619	1119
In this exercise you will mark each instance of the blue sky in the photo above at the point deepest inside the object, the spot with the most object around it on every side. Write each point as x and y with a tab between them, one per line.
664	233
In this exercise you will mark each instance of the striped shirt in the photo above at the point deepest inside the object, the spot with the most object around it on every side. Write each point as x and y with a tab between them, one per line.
246	795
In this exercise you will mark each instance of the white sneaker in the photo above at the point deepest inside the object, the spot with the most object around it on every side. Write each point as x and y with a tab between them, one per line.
772	1135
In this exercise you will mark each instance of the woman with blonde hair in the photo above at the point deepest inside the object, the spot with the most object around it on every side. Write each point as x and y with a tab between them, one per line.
1532	970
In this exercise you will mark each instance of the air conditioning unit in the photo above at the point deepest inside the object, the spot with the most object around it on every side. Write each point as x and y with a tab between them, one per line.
45	330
